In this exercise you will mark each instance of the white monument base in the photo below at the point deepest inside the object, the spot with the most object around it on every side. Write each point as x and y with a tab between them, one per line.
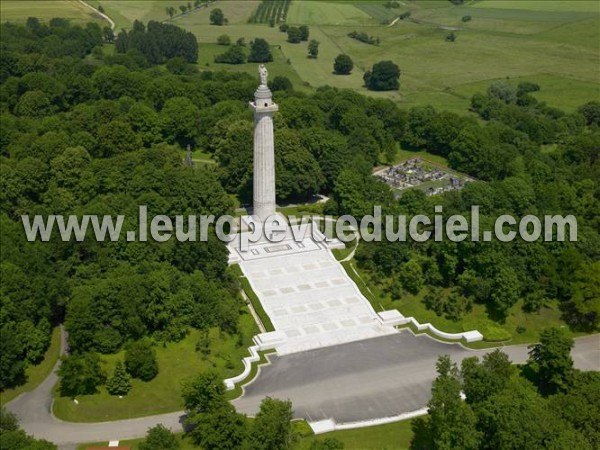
305	291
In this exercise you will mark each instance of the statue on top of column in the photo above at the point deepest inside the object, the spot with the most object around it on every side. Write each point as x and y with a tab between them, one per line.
262	71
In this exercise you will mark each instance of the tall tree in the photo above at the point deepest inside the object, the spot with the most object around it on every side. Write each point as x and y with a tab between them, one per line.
294	35
260	51
304	32
80	374
384	76
343	64
551	360
217	17
272	428
313	48
451	423
120	382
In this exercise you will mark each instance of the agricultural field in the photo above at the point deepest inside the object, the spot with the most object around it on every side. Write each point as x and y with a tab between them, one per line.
555	44
20	10
536	5
273	11
124	13
324	13
557	49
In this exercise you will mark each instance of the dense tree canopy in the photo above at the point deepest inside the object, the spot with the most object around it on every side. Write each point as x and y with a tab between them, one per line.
103	134
158	42
503	410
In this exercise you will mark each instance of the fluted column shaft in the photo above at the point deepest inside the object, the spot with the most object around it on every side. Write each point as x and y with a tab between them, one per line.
264	154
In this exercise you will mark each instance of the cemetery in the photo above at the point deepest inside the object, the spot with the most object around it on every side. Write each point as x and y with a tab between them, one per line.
421	174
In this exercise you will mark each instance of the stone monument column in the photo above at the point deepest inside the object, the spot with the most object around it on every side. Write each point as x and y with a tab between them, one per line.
264	150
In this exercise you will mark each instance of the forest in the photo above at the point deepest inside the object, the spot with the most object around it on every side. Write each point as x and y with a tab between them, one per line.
85	130
491	404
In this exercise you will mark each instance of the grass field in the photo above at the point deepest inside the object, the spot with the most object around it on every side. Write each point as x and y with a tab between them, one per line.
557	49
536	5
20	10
36	374
412	305
393	436
279	65
553	43
124	13
177	361
324	13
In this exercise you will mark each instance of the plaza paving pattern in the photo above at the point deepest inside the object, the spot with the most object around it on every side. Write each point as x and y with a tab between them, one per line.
308	296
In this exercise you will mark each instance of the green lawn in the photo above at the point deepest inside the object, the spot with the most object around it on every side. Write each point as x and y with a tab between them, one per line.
404	155
536	5
36	374
553	43
133	444
176	361
393	436
20	10
279	65
373	287
326	13
125	12
199	157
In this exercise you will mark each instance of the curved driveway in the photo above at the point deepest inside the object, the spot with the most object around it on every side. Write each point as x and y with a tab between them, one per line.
356	381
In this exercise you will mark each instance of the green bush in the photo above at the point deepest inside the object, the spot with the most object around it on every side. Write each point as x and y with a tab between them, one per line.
140	360
233	55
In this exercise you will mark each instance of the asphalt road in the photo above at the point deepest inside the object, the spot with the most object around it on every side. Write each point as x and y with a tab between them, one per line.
362	380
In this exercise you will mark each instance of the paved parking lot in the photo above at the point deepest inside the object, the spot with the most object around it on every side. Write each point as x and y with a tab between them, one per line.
373	378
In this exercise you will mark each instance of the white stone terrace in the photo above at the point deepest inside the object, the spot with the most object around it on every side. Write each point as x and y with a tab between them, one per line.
309	297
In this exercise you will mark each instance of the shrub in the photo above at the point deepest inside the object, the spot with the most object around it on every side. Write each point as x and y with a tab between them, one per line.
224	40
304	33
466	18
364	37
284	27
177	65
280	83
159	438
294	35
233	55
140	360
